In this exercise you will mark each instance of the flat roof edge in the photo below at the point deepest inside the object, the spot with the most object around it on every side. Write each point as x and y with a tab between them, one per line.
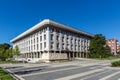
48	21
45	21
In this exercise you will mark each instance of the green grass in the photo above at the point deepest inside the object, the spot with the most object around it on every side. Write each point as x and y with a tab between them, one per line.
4	75
13	62
108	58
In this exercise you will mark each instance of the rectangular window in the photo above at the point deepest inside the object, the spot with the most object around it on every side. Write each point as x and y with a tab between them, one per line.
57	45
62	46
52	45
37	39
37	47
44	44
67	39
34	40
51	37
44	37
71	47
57	38
40	38
40	45
52	30
62	39
31	41
34	47
29	48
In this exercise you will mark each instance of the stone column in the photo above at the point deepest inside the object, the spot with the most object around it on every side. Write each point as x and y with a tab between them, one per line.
83	54
86	54
80	54
69	56
36	54
76	54
40	55
73	55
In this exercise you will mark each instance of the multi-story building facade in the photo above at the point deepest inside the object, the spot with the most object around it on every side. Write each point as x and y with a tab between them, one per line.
114	45
49	40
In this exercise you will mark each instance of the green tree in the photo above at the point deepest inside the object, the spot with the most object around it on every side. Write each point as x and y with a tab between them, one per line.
3	51
97	47
16	50
5	46
10	52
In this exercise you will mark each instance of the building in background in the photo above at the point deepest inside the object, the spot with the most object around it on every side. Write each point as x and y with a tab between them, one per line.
114	45
49	41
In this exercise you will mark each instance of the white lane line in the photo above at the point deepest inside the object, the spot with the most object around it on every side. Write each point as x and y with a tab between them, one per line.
109	76
95	75
79	75
49	71
95	67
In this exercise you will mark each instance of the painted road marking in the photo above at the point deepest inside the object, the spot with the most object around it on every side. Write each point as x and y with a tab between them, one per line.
79	75
49	71
109	76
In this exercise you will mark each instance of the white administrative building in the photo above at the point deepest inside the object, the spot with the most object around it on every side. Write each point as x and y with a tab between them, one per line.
51	41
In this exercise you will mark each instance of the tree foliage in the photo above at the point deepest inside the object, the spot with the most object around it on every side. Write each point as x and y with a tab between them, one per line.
98	47
3	51
17	52
6	51
4	46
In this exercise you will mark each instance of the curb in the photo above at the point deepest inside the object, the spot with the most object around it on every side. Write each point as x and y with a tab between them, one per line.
16	77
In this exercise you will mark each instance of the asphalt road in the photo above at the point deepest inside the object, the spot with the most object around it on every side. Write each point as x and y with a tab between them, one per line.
67	71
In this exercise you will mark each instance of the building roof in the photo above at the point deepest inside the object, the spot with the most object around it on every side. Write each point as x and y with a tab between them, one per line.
49	22
112	39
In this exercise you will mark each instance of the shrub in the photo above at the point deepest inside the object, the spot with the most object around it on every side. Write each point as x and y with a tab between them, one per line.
116	63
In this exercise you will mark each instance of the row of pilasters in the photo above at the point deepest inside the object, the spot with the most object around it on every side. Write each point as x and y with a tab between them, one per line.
77	55
33	55
71	55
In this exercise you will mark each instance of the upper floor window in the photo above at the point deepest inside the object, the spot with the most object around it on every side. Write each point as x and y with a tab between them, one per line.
52	45
52	30
37	46
34	40
40	38
37	39
57	45
45	30
51	37
40	45
57	37
63	39
44	44
62	46
34	47
44	37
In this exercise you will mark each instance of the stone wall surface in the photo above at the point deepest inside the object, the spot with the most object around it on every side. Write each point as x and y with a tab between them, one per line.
53	56
45	56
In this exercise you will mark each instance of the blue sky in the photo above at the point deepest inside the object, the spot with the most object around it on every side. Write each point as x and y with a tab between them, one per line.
93	16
